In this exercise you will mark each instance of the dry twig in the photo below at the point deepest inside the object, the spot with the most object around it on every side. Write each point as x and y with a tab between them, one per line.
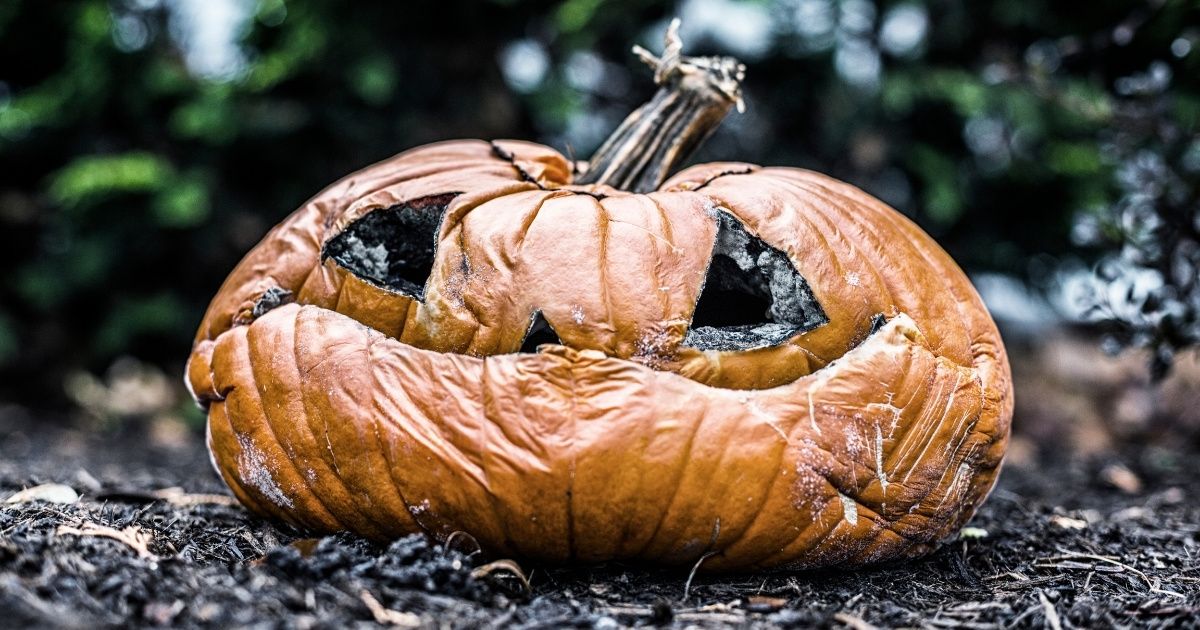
853	621
461	535
687	586
387	616
1152	585
133	536
1050	611
509	566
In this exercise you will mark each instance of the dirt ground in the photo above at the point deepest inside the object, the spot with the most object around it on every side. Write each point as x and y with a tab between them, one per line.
1065	540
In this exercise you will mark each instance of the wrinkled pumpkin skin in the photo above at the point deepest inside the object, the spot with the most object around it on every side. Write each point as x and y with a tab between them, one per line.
360	408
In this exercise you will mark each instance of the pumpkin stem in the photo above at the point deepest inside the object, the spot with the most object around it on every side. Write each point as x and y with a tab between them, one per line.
694	96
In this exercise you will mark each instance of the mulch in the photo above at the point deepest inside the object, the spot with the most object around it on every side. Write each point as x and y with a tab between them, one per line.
1064	541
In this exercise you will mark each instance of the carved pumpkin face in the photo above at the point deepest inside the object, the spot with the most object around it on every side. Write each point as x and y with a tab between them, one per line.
763	366
673	279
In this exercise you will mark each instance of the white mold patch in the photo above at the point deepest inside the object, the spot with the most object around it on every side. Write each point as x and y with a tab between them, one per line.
809	483
854	448
653	348
456	283
757	411
879	472
256	472
889	407
812	406
419	509
958	485
849	509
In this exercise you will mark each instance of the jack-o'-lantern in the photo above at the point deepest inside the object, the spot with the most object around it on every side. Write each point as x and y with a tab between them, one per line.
760	367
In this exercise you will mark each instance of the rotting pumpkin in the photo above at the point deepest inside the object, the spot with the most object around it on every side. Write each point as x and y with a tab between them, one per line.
759	367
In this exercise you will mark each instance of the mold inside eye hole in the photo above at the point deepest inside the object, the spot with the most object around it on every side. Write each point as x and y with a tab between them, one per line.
753	296
393	248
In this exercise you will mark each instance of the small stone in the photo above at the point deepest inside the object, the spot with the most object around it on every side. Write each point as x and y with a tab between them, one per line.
1066	522
1120	477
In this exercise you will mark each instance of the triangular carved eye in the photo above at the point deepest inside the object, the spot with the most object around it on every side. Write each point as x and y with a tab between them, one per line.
393	248
753	296
540	332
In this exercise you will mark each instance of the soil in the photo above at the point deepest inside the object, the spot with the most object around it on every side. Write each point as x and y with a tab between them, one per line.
1097	541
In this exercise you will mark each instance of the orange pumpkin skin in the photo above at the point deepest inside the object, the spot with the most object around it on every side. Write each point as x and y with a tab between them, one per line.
364	409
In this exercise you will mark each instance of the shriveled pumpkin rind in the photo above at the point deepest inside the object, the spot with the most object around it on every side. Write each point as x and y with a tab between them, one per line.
572	455
371	410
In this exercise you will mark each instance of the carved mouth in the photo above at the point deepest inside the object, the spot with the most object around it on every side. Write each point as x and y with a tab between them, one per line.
346	382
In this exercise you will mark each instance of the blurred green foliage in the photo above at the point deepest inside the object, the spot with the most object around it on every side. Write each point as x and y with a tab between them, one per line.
133	175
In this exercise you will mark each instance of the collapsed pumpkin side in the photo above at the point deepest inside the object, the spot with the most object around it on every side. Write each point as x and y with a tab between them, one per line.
843	467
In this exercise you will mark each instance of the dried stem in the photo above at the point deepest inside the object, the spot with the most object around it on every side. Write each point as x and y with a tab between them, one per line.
695	95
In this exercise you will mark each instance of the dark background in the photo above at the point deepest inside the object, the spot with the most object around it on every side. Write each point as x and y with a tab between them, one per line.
145	145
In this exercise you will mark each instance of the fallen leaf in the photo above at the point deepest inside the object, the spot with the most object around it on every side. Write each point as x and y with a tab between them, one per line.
48	492
162	613
306	546
178	496
762	603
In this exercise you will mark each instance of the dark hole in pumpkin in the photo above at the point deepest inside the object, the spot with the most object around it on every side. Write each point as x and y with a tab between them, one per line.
393	248
272	298
877	323
753	296
539	333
